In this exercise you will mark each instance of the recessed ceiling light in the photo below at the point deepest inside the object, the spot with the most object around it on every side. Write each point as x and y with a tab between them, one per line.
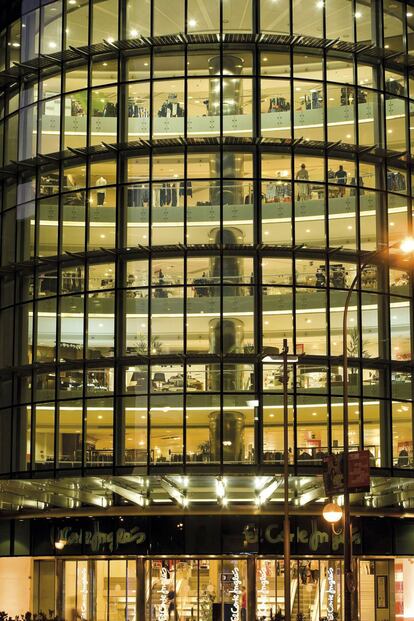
192	23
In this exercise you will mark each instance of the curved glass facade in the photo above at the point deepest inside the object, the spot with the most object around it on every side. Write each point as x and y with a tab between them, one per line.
186	184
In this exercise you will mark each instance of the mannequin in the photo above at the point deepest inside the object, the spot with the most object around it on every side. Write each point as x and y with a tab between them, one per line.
101	192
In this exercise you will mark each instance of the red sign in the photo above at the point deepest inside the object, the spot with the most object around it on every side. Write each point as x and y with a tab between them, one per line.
333	474
359	471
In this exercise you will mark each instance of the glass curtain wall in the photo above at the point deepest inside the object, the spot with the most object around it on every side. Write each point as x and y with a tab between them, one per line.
177	211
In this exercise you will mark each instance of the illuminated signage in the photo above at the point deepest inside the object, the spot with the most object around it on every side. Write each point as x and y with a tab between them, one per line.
235	593
262	592
331	594
84	593
163	609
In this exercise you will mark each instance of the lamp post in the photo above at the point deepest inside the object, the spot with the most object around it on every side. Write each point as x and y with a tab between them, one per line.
285	359
406	247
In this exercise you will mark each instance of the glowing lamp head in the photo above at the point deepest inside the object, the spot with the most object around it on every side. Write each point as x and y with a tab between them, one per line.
332	512
407	245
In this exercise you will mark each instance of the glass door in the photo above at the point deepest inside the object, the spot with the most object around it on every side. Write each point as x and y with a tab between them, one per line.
381	583
196	589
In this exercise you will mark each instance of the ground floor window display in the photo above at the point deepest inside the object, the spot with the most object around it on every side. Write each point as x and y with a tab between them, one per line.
204	589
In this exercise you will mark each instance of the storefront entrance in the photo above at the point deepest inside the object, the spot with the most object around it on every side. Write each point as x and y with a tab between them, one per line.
217	589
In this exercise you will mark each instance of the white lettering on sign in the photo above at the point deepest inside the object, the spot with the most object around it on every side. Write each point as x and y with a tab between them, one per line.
163	609
262	592
331	594
235	593
84	593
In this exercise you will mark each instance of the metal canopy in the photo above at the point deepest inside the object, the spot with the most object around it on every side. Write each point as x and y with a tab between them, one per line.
198	493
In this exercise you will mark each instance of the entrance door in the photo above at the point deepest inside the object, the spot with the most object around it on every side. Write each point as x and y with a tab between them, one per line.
376	590
99	590
315	589
196	590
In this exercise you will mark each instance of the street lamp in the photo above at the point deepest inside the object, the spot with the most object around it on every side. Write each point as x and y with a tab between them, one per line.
285	359
332	512
406	246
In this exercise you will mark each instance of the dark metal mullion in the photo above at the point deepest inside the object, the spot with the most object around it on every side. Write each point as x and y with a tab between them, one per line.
411	306
117	399
34	358
185	289
256	18
357	169
86	243
324	20
118	430
185	21
16	381
405	34
328	350
258	318
151	153
326	220
57	416
149	333
354	24
293	233
85	343
220	78
292	158
59	266
149	257
357	297
32	409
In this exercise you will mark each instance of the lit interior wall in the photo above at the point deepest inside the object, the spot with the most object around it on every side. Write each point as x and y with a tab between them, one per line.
15	585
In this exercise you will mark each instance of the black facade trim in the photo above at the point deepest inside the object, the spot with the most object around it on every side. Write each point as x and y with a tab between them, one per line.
201	535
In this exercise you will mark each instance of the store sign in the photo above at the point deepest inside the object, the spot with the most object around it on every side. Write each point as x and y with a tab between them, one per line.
358	473
98	540
235	593
333	476
163	608
314	538
84	593
262	592
259	534
330	614
359	479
